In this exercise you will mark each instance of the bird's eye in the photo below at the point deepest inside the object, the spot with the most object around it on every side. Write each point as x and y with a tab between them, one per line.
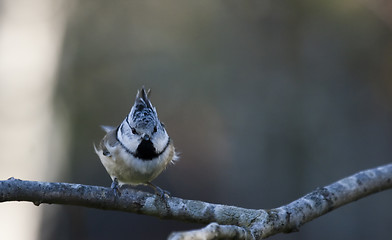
133	130
155	129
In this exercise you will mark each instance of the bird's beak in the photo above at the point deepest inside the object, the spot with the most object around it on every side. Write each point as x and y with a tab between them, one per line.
146	137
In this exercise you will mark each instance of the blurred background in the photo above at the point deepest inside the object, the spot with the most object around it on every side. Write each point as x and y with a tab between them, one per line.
266	101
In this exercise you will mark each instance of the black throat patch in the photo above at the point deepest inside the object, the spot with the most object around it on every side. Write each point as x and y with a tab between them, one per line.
146	151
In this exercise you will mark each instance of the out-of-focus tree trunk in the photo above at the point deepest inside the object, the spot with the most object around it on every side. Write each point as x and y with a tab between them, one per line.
31	34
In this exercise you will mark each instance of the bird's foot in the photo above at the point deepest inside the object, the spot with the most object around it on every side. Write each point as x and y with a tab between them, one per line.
116	188
159	191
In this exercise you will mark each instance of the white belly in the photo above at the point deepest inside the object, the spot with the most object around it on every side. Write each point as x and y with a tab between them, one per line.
130	170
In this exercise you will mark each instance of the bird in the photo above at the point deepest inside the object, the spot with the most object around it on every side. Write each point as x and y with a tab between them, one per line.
139	149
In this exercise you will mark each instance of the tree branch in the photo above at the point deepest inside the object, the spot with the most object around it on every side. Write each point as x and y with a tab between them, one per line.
227	220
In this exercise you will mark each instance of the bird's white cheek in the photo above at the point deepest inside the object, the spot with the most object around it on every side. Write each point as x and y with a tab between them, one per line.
160	142
130	143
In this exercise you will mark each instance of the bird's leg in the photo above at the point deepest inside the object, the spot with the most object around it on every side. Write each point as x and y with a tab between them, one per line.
159	191
116	188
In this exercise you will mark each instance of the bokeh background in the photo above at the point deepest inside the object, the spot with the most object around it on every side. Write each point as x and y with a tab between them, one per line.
266	100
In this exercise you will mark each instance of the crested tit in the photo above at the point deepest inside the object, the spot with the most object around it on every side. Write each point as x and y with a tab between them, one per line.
139	149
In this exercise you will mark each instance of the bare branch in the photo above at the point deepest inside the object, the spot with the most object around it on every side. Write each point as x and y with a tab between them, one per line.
130	201
230	220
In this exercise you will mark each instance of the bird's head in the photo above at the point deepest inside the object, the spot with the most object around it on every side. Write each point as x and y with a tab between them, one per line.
144	128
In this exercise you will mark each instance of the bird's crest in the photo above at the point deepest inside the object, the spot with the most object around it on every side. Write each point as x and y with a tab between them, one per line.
143	113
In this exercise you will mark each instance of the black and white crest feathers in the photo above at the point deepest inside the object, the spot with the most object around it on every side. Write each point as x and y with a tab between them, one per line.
143	114
142	98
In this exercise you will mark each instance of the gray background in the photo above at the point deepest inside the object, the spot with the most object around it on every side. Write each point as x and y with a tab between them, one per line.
265	101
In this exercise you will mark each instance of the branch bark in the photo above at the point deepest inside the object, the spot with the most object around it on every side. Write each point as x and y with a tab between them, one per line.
213	231
227	221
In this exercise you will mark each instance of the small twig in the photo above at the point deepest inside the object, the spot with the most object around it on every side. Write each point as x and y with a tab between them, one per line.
213	231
